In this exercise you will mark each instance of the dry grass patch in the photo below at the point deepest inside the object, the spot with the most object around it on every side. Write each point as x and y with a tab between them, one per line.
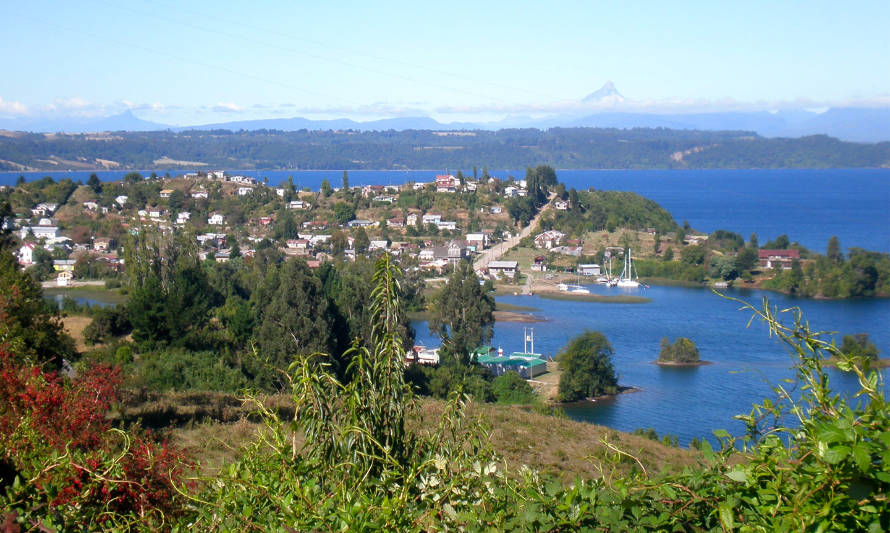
74	326
557	446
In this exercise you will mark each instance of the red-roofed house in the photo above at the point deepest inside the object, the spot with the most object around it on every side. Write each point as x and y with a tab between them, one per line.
446	183
777	258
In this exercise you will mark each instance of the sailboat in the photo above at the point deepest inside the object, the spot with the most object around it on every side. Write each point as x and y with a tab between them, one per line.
607	279
627	279
574	288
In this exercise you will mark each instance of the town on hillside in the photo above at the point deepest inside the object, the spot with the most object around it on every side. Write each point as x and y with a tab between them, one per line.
537	235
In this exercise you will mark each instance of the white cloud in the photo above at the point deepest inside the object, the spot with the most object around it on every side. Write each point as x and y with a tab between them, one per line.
12	108
227	107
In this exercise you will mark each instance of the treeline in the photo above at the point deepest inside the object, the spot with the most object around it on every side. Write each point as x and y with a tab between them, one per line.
861	274
638	148
224	326
592	210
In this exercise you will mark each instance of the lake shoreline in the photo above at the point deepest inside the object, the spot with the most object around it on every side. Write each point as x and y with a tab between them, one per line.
681	364
623	389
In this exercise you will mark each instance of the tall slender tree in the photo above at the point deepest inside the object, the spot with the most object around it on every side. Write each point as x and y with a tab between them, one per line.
463	314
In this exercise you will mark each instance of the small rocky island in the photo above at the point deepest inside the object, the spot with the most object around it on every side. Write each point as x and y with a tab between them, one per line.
683	352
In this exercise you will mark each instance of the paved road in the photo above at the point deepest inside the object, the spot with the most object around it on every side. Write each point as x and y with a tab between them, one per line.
497	251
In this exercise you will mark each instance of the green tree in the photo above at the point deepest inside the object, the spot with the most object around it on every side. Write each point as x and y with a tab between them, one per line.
683	350
7	238
782	242
170	297
296	320
510	388
326	189
345	181
834	252
586	366
95	183
28	324
693	255
338	242
462	314
747	259
859	345
343	212
362	241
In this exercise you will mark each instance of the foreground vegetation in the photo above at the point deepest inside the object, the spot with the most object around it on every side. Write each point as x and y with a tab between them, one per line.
349	458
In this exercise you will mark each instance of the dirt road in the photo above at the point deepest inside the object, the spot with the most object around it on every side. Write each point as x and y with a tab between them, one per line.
497	251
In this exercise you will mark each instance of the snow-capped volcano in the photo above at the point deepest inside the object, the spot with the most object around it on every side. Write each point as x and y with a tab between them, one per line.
607	94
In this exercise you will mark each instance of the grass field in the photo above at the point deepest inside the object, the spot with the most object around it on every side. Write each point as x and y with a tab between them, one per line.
522	436
75	325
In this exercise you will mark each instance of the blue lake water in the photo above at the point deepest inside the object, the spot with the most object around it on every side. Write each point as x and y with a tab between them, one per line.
688	402
808	205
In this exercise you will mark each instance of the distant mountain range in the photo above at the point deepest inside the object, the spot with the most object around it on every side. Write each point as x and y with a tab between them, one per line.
848	124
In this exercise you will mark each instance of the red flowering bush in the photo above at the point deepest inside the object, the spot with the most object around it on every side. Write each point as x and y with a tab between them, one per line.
62	465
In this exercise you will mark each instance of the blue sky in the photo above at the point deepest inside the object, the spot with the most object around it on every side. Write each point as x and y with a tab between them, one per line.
197	62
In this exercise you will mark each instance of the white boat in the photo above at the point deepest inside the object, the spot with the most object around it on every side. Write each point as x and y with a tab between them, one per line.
607	279
574	289
628	280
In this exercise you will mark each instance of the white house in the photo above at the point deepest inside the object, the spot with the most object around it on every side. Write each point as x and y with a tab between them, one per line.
562	206
446	224
92	206
200	193
214	175
479	240
64	278
121	200
549	239
315	239
45	209
183	217
165	193
411	219
244	191
40	232
298	204
498	269
26	254
378	245
431	218
216	219
589	270
280	192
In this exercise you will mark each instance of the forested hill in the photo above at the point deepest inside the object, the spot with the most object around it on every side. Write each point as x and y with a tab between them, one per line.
588	148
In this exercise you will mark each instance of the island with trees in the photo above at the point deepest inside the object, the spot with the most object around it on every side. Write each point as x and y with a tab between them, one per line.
859	351
682	352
